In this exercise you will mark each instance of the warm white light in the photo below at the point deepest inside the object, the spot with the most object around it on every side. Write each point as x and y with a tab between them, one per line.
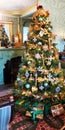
16	38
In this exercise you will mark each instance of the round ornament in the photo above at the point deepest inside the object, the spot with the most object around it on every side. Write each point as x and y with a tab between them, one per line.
57	89
52	51
40	19
55	74
16	83
20	83
34	89
37	56
49	29
39	62
36	27
28	62
18	79
45	93
48	63
45	47
39	43
45	84
27	74
27	86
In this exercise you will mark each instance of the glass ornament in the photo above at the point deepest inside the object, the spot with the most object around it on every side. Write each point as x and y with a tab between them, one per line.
40	19
39	43
20	83
58	89
27	74
37	56
28	62
27	85
49	29
18	79
45	84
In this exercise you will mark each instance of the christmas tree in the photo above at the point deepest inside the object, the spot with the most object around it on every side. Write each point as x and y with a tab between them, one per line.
40	83
4	40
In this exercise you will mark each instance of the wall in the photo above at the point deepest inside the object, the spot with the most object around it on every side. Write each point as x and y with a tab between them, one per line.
10	18
7	54
56	9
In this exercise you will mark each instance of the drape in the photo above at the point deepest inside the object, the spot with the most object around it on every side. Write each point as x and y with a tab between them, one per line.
5	114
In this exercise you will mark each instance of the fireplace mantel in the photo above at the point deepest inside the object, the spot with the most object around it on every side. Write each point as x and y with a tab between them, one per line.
7	54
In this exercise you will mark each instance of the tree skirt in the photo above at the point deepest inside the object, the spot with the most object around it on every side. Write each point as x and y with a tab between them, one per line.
21	122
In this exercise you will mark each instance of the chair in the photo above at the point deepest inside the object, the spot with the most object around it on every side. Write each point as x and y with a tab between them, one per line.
5	114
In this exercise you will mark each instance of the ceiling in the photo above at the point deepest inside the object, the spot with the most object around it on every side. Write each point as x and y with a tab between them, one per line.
17	6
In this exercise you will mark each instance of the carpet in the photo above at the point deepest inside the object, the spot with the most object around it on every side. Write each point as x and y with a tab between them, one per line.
21	122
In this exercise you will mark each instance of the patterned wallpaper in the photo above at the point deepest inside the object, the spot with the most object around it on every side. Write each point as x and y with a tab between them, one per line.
10	18
56	9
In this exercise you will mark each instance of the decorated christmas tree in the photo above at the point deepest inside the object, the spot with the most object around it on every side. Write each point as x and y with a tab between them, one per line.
40	82
4	39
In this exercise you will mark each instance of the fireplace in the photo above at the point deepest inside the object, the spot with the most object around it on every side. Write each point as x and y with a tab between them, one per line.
10	70
10	58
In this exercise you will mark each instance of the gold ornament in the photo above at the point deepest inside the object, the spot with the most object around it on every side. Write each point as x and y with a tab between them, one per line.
48	63
45	94
32	69
16	83
40	79
37	27
45	47
40	12
24	67
34	89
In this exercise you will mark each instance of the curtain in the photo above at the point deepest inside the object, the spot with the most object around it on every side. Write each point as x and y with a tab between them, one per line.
5	115
10	30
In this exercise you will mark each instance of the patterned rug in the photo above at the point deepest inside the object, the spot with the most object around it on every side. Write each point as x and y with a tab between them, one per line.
21	122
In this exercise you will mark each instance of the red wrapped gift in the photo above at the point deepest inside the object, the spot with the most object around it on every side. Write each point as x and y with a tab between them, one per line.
57	110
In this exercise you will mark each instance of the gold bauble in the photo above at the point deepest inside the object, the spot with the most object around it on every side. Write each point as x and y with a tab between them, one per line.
45	94
48	63
45	47
34	89
37	27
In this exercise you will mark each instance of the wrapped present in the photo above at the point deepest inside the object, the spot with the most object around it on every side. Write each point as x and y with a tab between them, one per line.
36	111
35	114
57	110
